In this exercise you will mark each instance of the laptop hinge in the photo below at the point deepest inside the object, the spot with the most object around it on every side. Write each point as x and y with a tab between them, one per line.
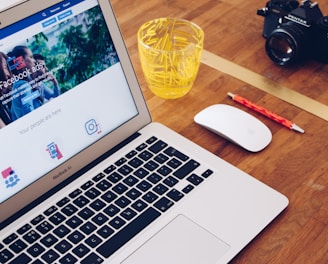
21	9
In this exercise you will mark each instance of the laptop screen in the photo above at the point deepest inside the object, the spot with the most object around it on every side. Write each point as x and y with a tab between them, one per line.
62	88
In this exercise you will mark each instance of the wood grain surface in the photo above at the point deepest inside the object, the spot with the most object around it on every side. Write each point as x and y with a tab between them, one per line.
295	164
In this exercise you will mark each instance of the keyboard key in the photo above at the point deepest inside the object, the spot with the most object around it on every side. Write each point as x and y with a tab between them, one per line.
163	204
151	165
188	188
74	222
97	205
75	193
92	193
67	259
109	196
111	210
105	231
141	173
128	232
120	162
5	256
50	256
150	197
141	146
93	241
24	229
133	194
44	227
130	181
81	201
154	178
125	170
170	181
31	236
88	228
131	154
18	246
114	177
87	185
86	213
100	219
63	201
104	185
35	250
158	146
61	231
145	155
139	205
37	220
135	162
194	179
110	169
151	140
207	173
98	177
10	238
172	152
76	237
144	186
164	170
160	189
92	258
120	188
21	259
63	246
50	210
174	163
57	218
128	214
161	158
69	209
186	169
81	250
122	202
49	240
175	195
117	222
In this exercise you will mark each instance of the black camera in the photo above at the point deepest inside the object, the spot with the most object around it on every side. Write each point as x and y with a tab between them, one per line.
294	31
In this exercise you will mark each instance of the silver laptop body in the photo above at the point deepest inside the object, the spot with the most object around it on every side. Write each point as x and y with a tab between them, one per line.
74	158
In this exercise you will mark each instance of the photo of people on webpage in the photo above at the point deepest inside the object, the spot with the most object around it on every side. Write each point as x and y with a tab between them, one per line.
50	63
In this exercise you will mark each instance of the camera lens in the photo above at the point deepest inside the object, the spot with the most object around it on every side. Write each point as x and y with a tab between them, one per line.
285	44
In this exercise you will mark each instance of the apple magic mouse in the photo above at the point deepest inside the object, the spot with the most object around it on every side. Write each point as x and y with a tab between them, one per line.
236	126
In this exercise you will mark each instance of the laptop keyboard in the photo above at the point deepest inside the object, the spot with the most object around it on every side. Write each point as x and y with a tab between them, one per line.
104	213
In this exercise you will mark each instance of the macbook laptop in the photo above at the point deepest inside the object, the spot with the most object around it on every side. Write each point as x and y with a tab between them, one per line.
86	176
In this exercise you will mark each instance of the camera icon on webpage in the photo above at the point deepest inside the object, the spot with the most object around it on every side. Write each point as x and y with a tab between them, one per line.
92	127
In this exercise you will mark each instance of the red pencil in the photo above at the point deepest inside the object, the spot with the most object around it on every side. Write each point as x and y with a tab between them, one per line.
273	116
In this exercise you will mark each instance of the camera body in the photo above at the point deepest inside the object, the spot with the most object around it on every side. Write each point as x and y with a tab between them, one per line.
294	31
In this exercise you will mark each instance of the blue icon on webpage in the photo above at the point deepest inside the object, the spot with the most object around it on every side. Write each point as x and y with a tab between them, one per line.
54	151
11	178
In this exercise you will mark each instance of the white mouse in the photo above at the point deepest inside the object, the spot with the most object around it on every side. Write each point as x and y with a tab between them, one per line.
235	125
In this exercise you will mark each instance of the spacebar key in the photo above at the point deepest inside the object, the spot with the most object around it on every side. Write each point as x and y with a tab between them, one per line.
128	232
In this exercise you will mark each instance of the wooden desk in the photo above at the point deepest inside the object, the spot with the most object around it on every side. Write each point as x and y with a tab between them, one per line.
294	164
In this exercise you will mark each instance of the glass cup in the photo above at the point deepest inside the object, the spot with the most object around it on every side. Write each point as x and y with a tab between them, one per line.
170	51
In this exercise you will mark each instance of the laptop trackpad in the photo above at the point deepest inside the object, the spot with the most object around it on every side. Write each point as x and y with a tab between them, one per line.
181	241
